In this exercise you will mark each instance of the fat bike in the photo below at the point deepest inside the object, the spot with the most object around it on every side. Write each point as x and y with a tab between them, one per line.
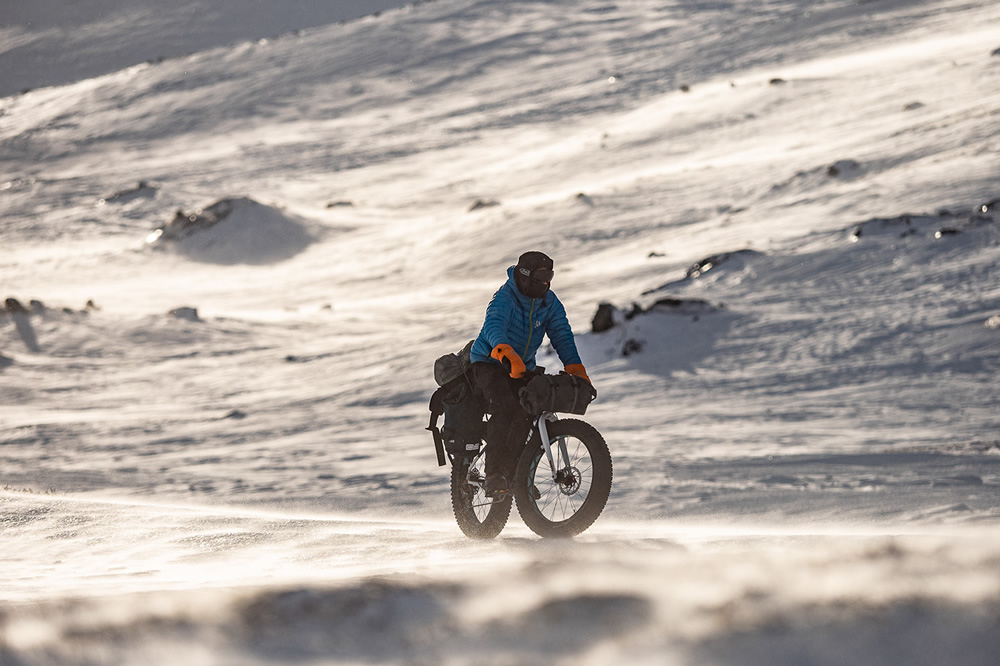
561	483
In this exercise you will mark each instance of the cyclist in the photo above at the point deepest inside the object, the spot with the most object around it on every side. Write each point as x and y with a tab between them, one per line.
519	314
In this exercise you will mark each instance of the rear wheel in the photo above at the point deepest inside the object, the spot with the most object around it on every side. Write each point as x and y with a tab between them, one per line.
567	502
478	516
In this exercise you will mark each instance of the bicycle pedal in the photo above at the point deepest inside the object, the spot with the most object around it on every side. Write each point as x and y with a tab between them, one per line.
498	495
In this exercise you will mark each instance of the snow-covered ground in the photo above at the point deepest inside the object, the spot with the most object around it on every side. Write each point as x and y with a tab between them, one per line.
791	207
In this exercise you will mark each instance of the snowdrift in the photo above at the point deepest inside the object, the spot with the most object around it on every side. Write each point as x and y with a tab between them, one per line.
227	463
845	273
235	231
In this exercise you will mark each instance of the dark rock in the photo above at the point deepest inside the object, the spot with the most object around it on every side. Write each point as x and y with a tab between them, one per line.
91	305
12	305
584	199
603	319
186	313
739	257
483	203
22	324
913	106
184	224
701	267
235	414
340	204
843	168
686	306
631	346
142	190
907	225
904	221
636	310
996	52
685	88
776	81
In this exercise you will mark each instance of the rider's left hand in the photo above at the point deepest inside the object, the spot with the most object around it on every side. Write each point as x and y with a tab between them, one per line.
578	370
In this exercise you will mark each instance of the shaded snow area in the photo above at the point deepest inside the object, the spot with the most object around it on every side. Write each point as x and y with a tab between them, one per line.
235	240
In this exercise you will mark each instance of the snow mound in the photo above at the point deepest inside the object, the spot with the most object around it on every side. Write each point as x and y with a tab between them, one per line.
944	223
235	231
670	335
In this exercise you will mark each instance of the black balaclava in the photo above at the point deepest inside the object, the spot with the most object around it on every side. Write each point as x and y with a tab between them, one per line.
533	274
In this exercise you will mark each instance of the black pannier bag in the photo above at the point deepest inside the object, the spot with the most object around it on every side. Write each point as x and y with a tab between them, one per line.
462	409
557	393
463	421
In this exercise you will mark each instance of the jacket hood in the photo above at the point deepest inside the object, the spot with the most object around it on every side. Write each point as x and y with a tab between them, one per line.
512	283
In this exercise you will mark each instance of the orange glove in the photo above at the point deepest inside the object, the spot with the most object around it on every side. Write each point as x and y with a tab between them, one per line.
510	360
578	370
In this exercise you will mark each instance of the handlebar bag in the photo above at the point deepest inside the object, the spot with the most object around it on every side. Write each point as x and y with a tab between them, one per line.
557	393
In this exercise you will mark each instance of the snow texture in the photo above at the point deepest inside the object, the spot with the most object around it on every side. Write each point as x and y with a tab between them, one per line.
237	237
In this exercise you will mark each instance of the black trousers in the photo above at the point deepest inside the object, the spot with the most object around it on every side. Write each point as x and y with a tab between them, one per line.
509	424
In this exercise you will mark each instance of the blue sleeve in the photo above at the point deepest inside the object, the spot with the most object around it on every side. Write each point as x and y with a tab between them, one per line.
561	334
498	316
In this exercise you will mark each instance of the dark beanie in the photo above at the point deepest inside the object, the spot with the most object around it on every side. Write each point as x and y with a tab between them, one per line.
532	260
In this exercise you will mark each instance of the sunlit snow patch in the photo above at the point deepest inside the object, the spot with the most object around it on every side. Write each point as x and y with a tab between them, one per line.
670	335
234	231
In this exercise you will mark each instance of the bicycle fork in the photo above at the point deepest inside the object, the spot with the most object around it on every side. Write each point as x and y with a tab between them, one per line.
562	453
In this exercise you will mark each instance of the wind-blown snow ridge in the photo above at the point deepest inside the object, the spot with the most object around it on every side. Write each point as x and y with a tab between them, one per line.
572	603
788	208
48	43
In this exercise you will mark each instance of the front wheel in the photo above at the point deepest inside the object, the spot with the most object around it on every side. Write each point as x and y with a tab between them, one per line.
478	516
564	503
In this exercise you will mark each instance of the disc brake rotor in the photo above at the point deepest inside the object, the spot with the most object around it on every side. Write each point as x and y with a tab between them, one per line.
569	480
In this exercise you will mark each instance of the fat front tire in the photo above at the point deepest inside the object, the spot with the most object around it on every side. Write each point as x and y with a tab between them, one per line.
570	503
478	516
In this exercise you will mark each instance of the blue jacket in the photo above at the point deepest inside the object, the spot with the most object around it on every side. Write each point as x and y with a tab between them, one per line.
519	321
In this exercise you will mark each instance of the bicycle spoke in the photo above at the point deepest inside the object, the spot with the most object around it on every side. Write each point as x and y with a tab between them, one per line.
559	502
567	491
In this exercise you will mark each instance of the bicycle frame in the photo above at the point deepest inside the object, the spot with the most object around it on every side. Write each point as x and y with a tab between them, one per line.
543	433
540	424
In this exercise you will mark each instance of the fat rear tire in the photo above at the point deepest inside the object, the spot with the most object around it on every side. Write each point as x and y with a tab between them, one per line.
477	515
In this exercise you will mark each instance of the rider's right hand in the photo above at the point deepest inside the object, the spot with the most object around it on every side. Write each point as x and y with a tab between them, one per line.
511	362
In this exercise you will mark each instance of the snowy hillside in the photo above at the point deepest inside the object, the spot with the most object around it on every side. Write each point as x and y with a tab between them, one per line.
236	240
